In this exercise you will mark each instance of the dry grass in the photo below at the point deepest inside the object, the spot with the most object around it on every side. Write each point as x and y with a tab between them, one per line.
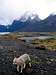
49	44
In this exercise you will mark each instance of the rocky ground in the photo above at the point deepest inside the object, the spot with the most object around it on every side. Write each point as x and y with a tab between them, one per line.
43	61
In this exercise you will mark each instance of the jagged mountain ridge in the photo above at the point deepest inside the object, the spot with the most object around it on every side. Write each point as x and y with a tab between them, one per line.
32	24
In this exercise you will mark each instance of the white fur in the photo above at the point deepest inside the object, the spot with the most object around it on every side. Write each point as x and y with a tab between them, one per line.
22	61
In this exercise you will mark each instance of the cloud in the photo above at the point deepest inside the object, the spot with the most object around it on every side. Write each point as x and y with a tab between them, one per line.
14	9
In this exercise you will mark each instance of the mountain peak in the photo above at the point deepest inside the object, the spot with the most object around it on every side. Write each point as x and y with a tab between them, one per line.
29	16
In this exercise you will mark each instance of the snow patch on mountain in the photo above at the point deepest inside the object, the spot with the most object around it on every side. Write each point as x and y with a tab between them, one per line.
30	16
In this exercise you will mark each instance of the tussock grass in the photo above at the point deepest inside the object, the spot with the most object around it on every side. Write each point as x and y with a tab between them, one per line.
49	44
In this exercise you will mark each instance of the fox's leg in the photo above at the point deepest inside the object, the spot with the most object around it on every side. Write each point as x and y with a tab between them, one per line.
29	58
24	65
18	68
29	64
29	61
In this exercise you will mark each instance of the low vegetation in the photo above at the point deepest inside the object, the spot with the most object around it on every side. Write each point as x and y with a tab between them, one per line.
49	44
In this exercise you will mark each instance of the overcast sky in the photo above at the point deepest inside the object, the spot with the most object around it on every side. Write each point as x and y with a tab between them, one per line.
14	9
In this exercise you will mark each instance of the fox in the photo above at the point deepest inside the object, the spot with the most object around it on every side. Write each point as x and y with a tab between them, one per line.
22	61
